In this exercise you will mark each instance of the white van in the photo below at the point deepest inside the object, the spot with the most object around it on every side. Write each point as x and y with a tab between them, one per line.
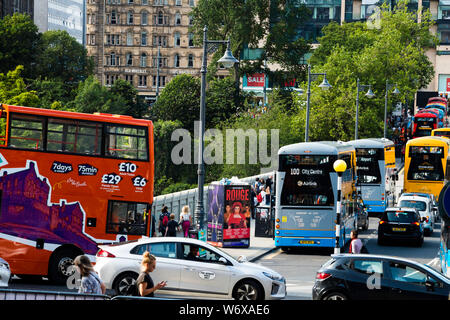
425	207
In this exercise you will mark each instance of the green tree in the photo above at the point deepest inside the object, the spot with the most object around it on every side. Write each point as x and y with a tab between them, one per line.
393	51
19	44
63	58
134	106
13	90
179	101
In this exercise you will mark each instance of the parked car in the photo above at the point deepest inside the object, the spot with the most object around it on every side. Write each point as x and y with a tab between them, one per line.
425	207
211	272
400	224
430	196
5	273
367	276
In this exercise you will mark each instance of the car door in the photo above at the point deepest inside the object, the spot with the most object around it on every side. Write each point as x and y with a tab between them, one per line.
204	273
365	279
166	267
408	282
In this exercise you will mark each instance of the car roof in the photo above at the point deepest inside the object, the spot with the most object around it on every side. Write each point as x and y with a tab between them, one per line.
418	198
401	209
418	194
373	256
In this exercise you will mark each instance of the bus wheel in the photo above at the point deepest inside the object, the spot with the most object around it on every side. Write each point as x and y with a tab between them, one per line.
61	265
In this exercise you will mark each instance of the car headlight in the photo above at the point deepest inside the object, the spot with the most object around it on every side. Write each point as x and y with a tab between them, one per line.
273	277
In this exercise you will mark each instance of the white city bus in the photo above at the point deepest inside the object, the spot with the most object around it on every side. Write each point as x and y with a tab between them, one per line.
375	170
306	194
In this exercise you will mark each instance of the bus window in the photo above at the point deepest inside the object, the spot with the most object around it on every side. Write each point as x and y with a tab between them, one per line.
74	136
368	169
426	163
307	181
126	142
127	218
26	132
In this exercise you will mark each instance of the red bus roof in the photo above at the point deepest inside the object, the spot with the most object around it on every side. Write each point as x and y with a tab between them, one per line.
425	115
101	117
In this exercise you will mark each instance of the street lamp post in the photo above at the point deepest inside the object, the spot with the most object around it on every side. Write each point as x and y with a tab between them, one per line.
369	94
339	166
388	87
323	85
227	61
157	72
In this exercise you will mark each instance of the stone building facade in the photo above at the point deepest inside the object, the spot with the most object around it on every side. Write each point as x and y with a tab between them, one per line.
124	36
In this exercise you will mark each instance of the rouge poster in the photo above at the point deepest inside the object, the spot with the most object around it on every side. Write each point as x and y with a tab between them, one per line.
236	227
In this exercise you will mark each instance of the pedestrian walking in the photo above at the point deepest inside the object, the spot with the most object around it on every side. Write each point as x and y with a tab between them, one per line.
90	281
356	243
144	282
163	220
172	227
186	220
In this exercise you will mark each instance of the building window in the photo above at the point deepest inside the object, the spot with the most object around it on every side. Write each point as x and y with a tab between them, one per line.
158	2
130	17
114	17
144	2
177	18
129	78
191	20
129	59
192	3
191	61
129	39
162	81
143	60
144	38
130	1
142	81
113	59
160	41
162	62
144	18
177	39
160	18
110	79
176	62
178	2
445	36
191	39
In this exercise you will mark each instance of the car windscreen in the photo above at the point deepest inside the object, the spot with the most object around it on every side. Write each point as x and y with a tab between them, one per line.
401	216
367	167
426	163
307	181
419	205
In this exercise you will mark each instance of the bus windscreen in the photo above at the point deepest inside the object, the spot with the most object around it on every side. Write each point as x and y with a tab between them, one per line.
307	181
426	163
367	167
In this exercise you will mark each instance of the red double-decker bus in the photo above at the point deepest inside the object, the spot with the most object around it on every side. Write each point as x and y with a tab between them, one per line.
424	123
69	182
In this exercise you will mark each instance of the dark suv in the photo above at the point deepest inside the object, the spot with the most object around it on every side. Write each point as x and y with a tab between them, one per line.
400	224
368	276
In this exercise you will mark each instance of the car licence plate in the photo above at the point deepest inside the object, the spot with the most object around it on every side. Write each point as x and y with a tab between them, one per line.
399	229
306	242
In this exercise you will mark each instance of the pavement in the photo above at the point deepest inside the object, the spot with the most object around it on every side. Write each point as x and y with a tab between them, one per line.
258	248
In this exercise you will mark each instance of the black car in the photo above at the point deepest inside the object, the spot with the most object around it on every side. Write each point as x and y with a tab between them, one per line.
367	277
400	224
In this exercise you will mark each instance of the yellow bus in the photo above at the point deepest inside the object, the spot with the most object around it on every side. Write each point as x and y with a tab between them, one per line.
426	165
441	132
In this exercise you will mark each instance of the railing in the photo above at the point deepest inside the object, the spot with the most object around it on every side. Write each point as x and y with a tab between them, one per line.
13	294
17	294
175	201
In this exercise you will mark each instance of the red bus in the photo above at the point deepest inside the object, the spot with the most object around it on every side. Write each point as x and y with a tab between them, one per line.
69	182
424	123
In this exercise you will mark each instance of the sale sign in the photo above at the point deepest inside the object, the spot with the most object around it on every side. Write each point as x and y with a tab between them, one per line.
256	80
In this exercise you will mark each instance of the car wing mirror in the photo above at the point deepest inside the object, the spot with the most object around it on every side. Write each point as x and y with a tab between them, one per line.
429	285
222	260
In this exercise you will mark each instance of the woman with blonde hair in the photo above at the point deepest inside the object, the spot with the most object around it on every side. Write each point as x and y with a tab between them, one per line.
144	282
186	220
90	281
